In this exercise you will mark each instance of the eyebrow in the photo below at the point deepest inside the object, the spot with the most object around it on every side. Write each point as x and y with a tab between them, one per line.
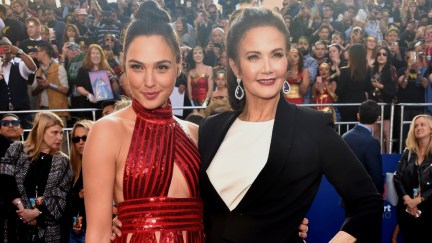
257	52
157	63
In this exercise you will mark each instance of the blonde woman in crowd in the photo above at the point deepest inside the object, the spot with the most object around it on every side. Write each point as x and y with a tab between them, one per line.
75	211
412	182
40	177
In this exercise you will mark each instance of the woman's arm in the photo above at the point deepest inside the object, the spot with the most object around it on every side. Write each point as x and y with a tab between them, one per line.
58	185
210	83
99	167
305	82
390	84
82	77
189	86
363	203
398	175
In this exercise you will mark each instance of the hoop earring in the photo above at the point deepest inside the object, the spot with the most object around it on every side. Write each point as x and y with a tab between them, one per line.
286	87
239	92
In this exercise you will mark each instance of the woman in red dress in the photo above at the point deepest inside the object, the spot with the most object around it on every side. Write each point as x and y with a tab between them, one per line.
297	77
324	89
200	80
142	157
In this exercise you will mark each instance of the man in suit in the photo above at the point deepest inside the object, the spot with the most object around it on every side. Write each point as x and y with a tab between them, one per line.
364	145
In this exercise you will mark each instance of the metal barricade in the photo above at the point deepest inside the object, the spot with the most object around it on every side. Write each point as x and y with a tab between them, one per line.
339	124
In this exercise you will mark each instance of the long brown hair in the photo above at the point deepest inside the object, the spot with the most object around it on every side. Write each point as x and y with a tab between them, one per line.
357	62
75	29
42	121
75	157
88	65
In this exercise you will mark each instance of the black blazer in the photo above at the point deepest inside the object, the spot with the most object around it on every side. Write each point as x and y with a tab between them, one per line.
304	146
368	151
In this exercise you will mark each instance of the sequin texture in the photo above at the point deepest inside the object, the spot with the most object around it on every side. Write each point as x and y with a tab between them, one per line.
158	141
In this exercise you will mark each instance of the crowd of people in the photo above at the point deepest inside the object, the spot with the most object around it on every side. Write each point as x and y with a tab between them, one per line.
72	43
127	56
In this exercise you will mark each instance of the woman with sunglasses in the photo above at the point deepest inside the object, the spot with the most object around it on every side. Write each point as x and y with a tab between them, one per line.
39	178
111	41
75	211
385	86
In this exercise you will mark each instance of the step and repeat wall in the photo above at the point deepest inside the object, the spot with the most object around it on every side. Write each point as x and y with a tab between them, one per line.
326	214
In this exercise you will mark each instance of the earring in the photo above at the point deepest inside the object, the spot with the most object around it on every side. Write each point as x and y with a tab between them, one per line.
286	87
239	92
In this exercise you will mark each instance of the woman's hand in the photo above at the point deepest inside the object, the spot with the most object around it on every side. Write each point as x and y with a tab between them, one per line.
303	228
116	229
27	215
181	88
411	203
81	193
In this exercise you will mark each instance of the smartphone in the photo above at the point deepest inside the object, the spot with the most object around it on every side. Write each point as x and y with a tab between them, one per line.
4	49
413	56
51	34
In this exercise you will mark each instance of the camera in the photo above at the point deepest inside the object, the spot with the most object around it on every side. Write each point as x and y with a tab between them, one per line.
218	45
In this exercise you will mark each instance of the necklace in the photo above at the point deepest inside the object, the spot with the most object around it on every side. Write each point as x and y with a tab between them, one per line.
43	156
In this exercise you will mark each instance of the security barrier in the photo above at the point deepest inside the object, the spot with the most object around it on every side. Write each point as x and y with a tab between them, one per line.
339	124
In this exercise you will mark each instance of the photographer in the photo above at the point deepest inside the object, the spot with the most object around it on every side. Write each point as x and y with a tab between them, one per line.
103	24
412	85
16	68
391	41
214	47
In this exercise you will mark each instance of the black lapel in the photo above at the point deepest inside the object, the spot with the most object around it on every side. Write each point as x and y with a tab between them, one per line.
279	151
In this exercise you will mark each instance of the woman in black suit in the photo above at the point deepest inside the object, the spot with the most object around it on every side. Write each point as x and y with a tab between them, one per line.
262	164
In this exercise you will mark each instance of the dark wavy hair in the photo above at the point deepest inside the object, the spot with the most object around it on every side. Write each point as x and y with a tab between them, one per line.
241	21
385	73
151	19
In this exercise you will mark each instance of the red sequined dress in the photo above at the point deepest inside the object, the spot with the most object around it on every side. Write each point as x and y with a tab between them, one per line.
199	89
159	142
294	95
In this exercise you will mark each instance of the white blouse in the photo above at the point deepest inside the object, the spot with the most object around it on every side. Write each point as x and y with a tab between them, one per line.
240	158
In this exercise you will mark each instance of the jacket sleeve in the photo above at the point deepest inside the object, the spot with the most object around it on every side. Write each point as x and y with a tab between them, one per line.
398	175
363	203
9	189
374	163
58	185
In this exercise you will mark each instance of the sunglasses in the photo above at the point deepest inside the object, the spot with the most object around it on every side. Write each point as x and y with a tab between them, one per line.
382	54
109	39
6	123
77	139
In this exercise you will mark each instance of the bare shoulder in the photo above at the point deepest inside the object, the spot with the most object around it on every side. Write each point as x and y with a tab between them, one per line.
190	128
209	70
112	127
